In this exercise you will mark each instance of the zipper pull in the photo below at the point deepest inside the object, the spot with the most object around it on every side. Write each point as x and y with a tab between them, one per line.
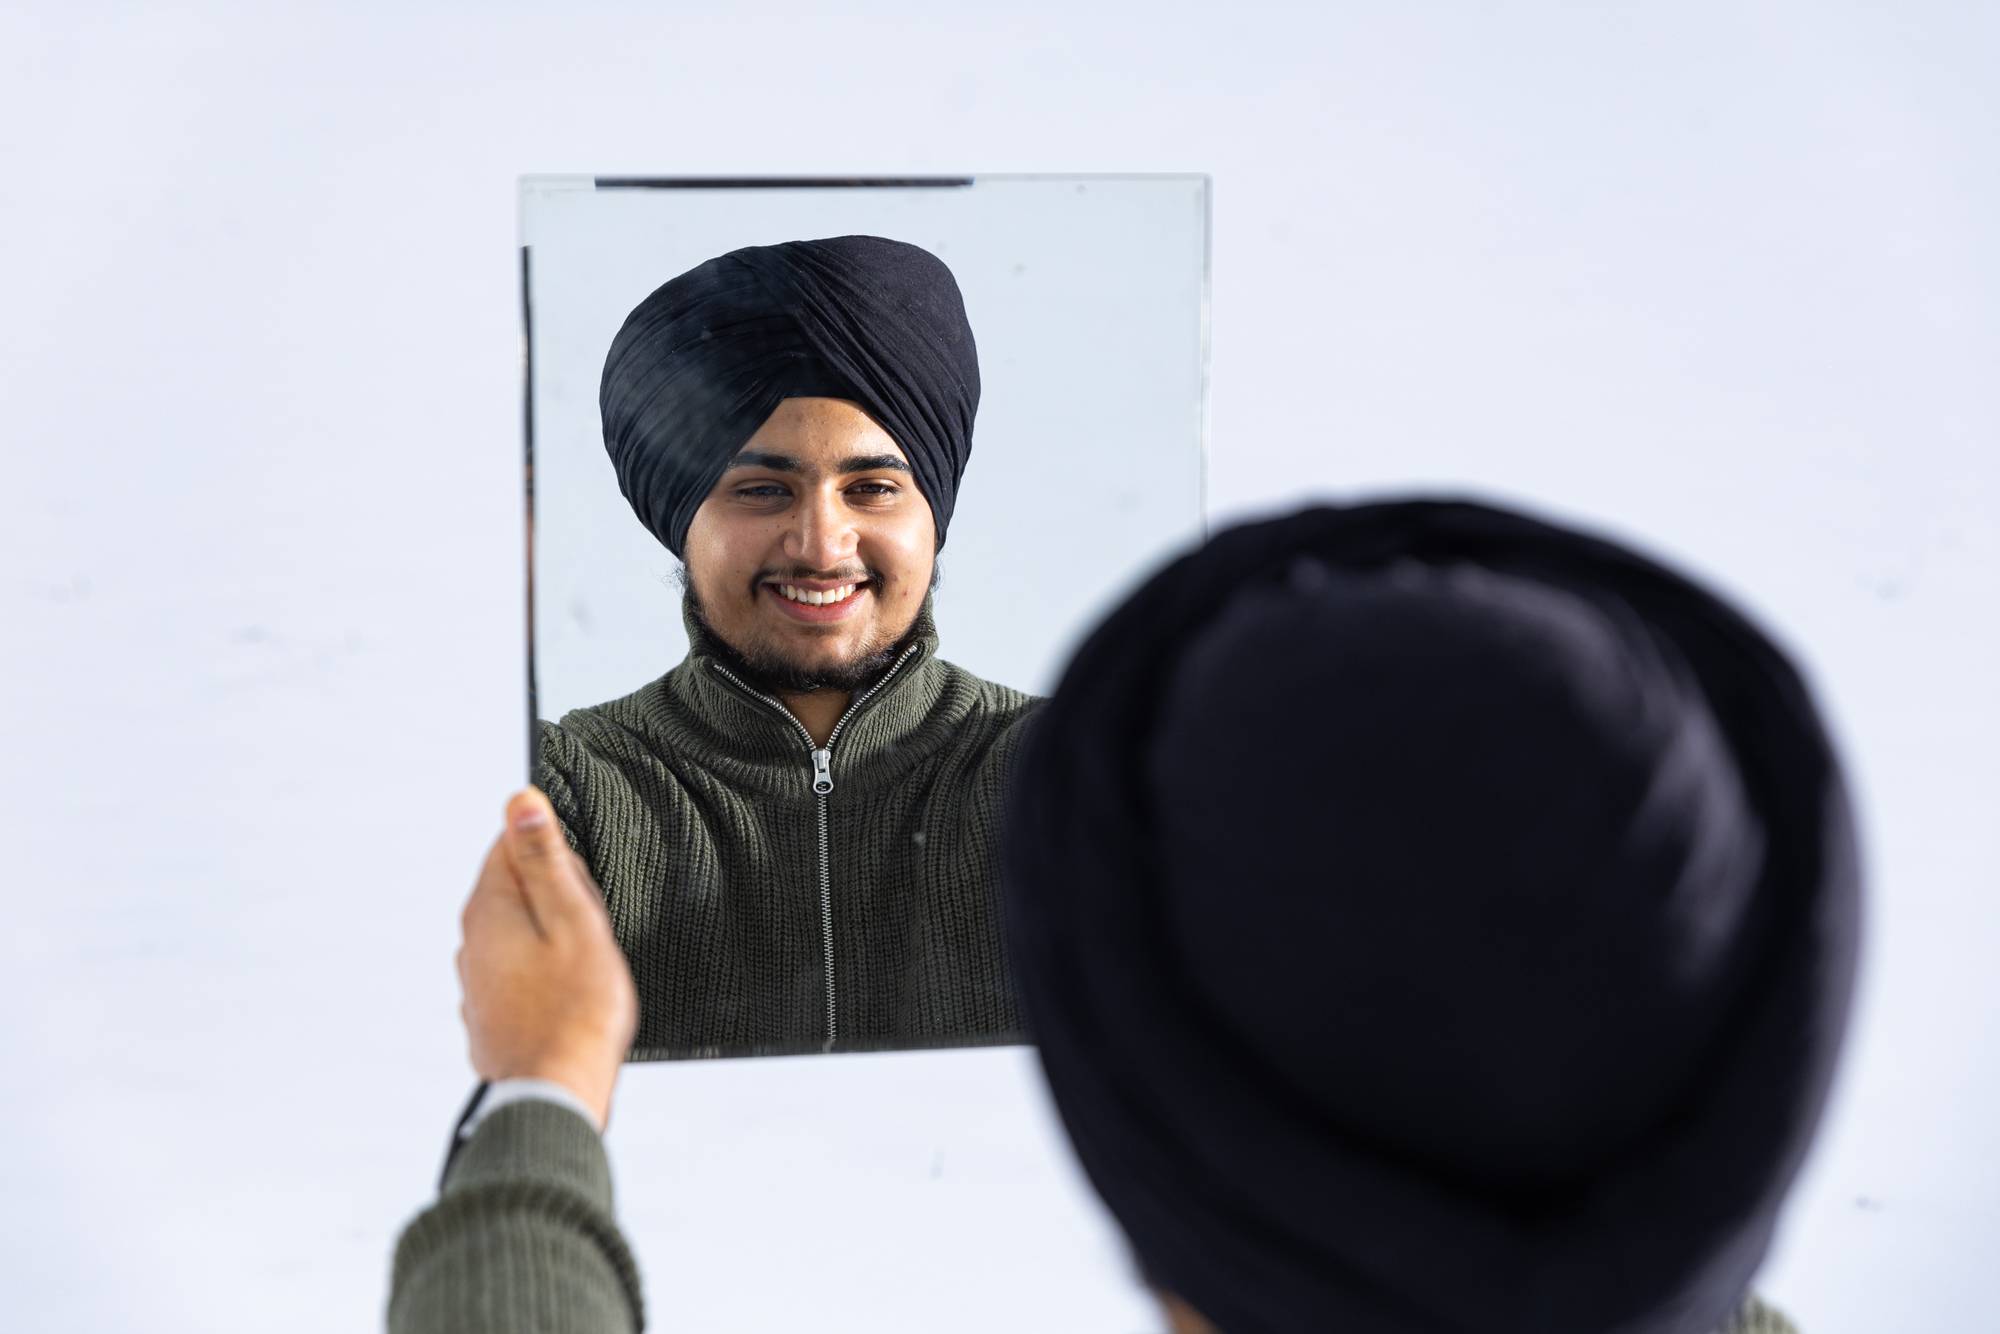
822	771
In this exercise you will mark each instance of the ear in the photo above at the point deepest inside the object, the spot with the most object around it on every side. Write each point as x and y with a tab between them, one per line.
1182	1318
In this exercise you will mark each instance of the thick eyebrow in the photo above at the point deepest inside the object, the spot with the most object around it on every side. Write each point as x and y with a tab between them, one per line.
756	458
872	463
752	458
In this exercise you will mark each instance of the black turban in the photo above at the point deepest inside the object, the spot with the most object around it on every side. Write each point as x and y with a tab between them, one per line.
700	364
1434	920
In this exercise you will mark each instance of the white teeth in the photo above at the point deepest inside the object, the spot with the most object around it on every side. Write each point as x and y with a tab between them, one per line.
815	598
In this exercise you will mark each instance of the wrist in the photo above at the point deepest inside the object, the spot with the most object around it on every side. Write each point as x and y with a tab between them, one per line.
506	1092
588	1085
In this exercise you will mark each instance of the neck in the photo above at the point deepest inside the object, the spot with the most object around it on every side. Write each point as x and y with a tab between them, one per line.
818	711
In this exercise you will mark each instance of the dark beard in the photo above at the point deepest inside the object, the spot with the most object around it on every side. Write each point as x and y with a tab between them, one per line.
773	674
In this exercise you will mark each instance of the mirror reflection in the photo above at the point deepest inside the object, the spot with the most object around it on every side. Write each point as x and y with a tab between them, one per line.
772	723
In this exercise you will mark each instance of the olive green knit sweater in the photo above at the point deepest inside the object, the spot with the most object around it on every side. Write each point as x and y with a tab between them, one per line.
522	1237
761	914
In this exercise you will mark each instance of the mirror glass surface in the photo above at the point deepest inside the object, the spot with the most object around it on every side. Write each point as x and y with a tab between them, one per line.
762	915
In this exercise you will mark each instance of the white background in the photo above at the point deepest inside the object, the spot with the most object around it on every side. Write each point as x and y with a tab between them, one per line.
1087	299
1720	276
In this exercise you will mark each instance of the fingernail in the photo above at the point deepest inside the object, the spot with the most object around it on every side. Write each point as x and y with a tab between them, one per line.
530	817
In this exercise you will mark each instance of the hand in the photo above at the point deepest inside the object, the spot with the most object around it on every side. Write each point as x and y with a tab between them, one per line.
547	993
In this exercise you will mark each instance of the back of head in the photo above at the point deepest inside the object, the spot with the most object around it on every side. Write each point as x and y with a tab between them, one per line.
1433	919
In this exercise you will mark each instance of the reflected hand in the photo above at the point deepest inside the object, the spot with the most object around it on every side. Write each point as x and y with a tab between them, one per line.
547	993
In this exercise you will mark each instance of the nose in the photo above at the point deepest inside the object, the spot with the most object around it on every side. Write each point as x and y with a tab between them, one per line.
821	536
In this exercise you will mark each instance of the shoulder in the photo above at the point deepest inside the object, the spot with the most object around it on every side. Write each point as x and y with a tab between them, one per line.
605	731
1001	709
594	748
1756	1317
994	720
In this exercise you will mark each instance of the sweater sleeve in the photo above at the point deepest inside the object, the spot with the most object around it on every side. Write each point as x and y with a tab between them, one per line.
522	1238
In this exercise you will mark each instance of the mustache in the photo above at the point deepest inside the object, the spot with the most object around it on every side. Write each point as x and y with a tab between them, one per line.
861	575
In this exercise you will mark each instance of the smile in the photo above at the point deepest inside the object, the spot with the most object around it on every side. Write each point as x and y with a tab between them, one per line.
816	606
816	597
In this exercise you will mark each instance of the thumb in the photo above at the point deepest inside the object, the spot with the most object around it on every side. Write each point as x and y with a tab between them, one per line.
535	844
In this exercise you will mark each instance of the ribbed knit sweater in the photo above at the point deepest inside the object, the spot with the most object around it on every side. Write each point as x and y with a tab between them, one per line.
523	1239
762	915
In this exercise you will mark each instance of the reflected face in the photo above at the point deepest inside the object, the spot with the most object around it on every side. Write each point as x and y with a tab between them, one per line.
812	555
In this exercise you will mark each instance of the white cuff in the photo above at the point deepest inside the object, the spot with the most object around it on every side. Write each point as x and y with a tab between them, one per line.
503	1091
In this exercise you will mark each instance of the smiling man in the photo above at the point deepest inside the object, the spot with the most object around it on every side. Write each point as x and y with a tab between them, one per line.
793	828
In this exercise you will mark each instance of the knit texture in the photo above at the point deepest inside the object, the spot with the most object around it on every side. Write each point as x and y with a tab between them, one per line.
522	1237
692	802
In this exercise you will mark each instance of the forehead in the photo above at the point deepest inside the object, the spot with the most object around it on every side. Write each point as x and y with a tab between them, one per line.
817	433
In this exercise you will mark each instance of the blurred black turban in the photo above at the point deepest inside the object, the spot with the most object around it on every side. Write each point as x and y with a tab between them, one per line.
700	364
1434	920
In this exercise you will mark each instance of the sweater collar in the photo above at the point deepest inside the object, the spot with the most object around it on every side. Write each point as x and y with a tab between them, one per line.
751	740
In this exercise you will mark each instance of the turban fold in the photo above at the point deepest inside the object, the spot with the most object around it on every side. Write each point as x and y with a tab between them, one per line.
1432	919
700	363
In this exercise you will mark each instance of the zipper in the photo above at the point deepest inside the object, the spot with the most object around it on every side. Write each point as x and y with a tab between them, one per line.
822	786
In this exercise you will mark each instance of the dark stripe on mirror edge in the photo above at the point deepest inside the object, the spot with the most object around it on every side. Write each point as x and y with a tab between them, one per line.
779	182
528	493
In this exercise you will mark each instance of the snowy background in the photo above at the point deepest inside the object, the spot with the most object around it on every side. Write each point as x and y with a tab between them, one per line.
1719	277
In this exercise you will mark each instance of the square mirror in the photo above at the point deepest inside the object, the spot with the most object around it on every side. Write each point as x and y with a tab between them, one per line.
773	705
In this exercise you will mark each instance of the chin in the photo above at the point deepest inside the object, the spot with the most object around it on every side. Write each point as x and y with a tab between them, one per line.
816	650
827	663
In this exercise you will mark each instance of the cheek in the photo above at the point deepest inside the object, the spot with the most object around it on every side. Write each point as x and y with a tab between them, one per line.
721	554
903	552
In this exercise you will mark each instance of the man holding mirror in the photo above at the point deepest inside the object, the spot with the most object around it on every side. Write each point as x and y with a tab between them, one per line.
793	828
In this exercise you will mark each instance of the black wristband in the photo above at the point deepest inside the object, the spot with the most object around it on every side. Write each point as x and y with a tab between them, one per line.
458	1135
